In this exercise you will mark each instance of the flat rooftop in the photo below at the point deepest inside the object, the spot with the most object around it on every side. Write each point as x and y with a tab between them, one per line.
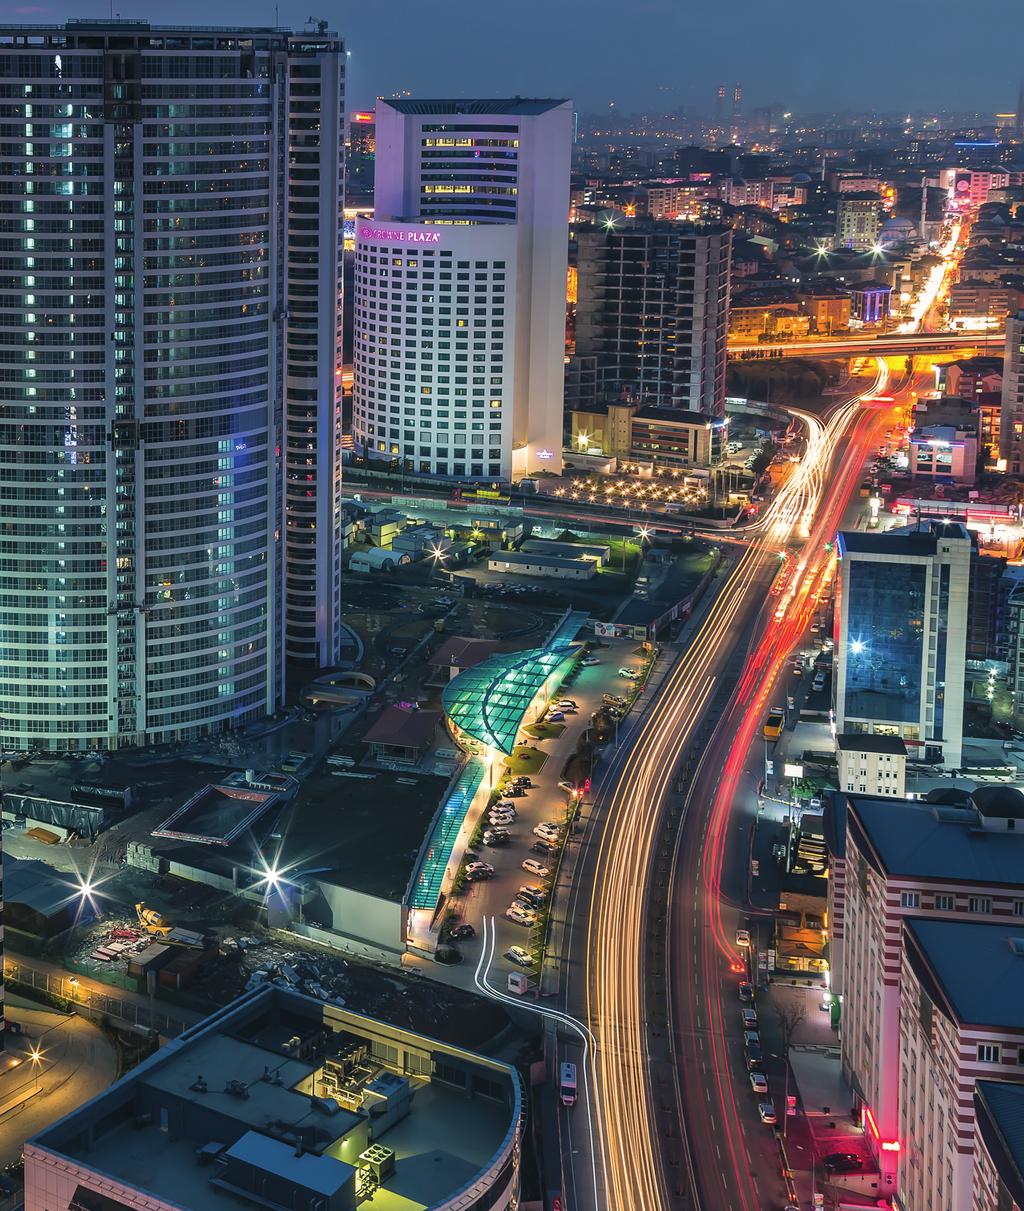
977	969
447	1115
361	829
932	841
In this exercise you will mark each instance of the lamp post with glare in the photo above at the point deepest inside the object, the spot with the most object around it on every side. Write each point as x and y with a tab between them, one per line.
36	1056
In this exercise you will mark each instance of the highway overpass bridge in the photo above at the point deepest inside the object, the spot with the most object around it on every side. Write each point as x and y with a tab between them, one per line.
897	344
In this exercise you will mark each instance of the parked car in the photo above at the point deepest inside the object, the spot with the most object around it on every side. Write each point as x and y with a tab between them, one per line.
842	1162
520	916
533	895
543	847
742	937
746	990
554	717
589	660
520	956
632	674
754	1057
501	819
758	1082
536	868
749	1017
496	836
479	870
567	704
767	1112
547	830
462	931
751	1038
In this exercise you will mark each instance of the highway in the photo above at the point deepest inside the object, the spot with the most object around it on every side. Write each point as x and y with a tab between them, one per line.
617	898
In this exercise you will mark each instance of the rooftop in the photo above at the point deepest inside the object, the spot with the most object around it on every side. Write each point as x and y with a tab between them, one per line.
282	1093
930	841
488	702
1000	1106
400	725
976	970
858	742
342	817
903	541
463	652
527	106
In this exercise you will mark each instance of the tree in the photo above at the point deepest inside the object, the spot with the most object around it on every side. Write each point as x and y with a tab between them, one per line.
791	1017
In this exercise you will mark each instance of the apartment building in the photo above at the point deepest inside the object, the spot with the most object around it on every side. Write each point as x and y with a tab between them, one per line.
872	765
961	1019
998	1146
892	859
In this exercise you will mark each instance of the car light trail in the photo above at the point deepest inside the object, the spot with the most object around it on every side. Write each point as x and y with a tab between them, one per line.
630	1144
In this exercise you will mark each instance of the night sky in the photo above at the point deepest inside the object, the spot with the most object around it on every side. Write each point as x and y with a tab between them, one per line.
885	54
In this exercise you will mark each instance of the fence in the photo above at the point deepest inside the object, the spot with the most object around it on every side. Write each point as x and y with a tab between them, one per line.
91	1003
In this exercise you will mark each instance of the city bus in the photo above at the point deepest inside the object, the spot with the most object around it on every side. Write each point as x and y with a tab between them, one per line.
567	1084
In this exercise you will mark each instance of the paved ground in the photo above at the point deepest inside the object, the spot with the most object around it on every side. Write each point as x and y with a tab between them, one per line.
544	801
77	1062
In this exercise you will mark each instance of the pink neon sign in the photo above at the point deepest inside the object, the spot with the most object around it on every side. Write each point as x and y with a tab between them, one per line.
398	235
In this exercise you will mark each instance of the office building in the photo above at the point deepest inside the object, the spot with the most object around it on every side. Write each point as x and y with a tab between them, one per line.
961	1019
893	859
460	288
654	311
900	659
858	221
998	1146
158	240
1011	421
281	1101
656	437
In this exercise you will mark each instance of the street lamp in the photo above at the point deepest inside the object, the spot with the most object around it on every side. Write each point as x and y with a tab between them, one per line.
36	1056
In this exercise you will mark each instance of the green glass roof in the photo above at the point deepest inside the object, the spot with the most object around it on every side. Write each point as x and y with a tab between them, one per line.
488	701
439	848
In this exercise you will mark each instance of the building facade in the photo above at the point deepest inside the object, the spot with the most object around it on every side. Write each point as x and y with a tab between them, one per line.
962	1019
858	221
901	644
998	1145
872	765
663	437
150	376
654	311
460	289
1011	421
279	1100
896	859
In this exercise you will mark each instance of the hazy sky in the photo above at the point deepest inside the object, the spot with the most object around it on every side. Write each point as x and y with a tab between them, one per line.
893	54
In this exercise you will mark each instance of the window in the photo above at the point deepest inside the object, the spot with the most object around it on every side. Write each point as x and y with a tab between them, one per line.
1018	908
910	899
988	1053
979	904
945	903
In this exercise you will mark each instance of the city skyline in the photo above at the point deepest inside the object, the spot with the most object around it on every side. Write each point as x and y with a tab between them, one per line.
593	53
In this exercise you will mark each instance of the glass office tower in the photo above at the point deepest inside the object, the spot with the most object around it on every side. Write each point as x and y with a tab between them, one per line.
901	644
148	376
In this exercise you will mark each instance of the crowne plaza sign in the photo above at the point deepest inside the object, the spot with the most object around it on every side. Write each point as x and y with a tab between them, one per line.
399	235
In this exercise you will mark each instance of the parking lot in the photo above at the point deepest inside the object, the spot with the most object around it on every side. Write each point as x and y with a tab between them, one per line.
543	802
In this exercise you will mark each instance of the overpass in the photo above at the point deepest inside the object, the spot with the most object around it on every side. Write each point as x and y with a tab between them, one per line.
891	343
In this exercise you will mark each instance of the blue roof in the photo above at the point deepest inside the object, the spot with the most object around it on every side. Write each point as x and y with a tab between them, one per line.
976	966
438	851
924	840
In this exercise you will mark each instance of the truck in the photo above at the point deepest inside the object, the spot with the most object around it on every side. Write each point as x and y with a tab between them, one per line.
157	926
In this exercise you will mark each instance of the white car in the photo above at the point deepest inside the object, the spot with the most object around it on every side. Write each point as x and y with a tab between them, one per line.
520	916
479	870
554	717
742	937
549	832
759	1082
501	819
535	868
767	1112
632	674
520	956
567	704
588	660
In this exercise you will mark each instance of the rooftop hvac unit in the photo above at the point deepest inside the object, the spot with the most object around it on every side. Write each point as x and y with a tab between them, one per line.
379	1160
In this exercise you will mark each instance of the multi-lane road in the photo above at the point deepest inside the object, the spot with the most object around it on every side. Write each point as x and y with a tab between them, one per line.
649	941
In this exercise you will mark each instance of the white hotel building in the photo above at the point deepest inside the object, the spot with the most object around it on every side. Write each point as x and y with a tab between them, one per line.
460	289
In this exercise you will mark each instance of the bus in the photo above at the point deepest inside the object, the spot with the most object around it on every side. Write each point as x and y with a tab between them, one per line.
567	1084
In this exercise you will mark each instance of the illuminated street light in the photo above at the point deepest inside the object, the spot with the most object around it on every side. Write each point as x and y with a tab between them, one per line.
857	646
36	1056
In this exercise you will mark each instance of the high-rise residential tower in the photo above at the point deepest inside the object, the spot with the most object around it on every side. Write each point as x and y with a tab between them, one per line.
654	311
460	288
168	353
901	649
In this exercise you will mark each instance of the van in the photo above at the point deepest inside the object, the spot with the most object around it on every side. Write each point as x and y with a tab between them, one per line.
567	1084
819	680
